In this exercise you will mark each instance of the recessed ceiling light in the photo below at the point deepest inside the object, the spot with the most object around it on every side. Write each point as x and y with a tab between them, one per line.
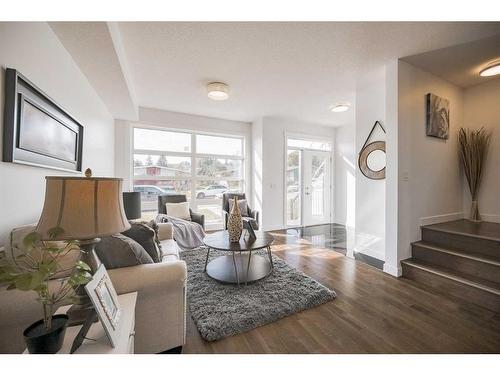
339	107
218	91
491	70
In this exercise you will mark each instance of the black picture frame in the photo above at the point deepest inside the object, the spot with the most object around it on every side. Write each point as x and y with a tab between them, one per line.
37	131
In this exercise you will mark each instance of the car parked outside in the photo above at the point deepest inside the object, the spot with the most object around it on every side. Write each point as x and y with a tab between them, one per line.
212	191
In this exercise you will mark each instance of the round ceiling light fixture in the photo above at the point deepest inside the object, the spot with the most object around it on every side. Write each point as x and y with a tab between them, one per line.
218	91
491	70
339	107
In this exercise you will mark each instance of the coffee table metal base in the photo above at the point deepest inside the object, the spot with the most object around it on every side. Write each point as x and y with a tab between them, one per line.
223	268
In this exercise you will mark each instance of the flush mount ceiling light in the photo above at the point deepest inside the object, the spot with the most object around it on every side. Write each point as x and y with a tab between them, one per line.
491	70
339	107
218	91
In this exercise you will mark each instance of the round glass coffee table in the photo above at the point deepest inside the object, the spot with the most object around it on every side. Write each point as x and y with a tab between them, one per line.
240	265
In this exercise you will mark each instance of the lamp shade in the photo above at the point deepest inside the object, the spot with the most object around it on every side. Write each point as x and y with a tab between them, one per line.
132	204
84	207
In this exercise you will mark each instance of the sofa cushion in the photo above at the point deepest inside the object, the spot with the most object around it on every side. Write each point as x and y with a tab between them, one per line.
165	231
117	251
65	263
147	237
169	251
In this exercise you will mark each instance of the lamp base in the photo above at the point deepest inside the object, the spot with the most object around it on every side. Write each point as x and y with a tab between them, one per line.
83	307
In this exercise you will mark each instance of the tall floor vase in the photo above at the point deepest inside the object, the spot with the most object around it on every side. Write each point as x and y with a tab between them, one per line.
473	146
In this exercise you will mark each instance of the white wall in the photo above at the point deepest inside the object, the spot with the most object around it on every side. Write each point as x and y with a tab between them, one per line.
392	231
370	194
430	181
34	50
257	165
482	108
345	166
273	164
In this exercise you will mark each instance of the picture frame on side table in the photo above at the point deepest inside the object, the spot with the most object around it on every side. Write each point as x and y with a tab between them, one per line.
105	300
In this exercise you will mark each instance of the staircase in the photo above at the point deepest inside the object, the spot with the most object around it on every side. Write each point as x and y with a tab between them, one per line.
459	258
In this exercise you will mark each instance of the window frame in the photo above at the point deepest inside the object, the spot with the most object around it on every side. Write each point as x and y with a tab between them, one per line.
192	177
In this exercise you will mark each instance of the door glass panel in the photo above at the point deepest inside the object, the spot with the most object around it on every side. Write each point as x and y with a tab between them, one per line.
316	180
318	185
293	187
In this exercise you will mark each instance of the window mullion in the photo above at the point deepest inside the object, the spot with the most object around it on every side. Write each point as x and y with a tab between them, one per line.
194	203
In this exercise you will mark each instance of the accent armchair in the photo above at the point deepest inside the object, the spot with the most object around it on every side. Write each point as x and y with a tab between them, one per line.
178	198
251	214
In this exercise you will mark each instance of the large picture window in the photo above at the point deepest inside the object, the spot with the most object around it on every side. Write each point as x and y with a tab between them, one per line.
201	166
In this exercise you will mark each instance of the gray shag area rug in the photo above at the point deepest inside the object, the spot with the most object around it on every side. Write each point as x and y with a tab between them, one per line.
221	310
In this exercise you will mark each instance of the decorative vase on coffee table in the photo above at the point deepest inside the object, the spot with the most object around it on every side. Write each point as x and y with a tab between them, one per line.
235	222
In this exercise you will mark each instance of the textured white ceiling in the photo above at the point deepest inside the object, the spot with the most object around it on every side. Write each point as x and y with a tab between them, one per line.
462	63
290	70
92	46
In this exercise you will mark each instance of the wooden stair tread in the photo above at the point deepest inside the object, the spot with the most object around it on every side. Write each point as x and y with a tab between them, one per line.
484	230
473	256
469	280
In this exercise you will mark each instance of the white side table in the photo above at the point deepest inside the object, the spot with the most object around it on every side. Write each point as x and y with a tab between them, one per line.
98	342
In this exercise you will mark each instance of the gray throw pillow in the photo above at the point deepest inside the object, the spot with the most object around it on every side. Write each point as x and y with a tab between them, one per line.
242	204
117	251
147	237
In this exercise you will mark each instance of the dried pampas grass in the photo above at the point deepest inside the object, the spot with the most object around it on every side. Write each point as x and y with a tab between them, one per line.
473	150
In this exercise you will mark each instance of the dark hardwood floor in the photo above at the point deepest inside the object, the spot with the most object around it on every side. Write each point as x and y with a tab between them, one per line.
373	313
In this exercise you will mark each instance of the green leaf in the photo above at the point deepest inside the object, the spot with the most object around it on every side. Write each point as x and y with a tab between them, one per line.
37	278
82	265
31	239
23	282
55	232
79	278
48	268
55	250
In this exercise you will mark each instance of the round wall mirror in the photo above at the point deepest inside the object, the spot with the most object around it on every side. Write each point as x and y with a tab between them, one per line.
372	160
376	160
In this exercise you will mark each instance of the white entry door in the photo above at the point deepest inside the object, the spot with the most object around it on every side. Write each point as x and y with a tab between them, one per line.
316	191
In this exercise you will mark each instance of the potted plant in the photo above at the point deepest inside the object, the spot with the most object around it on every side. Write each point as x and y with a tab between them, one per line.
30	270
473	145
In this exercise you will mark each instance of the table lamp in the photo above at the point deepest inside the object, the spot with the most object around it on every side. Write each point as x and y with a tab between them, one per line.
86	208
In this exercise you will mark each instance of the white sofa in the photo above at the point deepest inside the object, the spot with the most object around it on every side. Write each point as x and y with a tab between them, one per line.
160	311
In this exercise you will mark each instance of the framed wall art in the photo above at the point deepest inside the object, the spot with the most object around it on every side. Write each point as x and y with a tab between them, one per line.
37	131
437	116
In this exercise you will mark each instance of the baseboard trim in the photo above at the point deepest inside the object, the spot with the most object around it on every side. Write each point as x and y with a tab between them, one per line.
429	220
392	270
492	218
372	261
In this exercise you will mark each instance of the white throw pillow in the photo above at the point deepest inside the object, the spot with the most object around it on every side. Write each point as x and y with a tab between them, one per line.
178	210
